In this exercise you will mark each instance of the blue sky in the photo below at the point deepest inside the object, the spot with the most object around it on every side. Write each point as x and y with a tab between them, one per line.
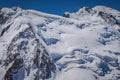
59	6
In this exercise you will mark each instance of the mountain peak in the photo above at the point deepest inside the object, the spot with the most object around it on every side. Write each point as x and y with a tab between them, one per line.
106	10
108	15
10	10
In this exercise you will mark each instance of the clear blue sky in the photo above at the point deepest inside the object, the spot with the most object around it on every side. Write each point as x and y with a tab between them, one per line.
58	6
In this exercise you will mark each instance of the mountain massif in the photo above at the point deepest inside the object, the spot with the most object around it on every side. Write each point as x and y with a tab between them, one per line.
84	45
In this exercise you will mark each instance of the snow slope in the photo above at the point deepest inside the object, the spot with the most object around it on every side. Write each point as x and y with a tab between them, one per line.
52	47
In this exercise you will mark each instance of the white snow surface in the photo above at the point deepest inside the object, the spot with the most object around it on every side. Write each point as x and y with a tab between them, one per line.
76	45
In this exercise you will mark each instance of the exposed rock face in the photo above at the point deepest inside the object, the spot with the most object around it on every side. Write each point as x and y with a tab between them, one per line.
3	18
67	15
108	18
23	61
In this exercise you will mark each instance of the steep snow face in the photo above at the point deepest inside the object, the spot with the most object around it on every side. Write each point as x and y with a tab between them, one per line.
40	46
23	56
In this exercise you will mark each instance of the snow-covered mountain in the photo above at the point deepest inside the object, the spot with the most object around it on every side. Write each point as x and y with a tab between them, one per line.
84	45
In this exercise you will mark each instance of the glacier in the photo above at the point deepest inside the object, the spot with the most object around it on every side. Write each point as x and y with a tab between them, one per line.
76	46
